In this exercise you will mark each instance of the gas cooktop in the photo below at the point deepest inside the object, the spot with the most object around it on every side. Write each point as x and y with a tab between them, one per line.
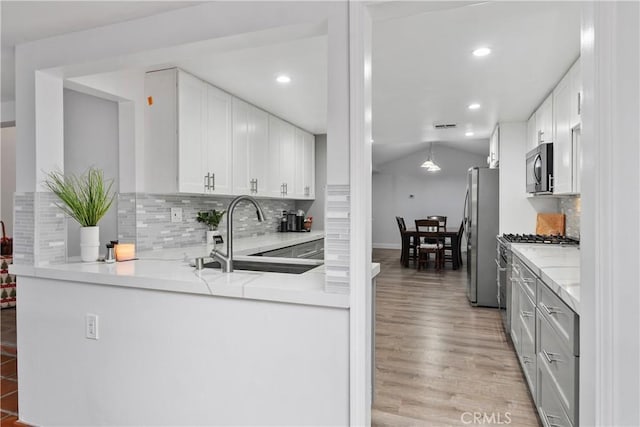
539	238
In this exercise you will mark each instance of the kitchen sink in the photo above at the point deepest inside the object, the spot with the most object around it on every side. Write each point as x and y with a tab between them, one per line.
270	267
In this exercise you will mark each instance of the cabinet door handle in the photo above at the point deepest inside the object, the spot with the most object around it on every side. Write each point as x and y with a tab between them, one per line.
549	417
213	181
526	360
282	190
528	280
550	310
526	313
499	268
540	133
579	103
551	357
550	179
206	181
256	185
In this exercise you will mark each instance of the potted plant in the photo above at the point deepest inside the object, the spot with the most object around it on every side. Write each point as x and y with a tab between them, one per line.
211	219
86	199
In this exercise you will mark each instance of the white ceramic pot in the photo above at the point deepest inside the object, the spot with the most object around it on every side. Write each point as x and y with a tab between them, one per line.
89	243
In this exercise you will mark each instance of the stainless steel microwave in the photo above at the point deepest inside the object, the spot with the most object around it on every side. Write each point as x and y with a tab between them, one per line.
540	169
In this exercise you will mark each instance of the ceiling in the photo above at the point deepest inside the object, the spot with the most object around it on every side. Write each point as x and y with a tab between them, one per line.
423	69
24	21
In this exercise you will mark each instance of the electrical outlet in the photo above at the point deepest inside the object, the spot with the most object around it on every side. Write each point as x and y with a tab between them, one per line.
91	323
176	214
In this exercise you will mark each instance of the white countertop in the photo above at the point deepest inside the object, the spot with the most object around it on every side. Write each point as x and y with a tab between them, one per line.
557	266
169	270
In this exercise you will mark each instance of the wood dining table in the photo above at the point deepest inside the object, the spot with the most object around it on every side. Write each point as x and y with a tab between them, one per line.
451	233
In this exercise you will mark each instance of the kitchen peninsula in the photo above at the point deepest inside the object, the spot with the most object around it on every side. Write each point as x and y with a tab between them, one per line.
208	345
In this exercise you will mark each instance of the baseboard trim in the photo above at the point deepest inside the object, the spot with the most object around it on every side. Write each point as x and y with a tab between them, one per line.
386	246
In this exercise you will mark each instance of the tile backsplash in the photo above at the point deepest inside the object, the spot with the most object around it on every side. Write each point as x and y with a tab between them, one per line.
570	207
145	218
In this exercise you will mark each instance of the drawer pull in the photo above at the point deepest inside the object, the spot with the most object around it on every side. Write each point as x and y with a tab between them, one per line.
551	357
526	314
549	418
550	310
527	280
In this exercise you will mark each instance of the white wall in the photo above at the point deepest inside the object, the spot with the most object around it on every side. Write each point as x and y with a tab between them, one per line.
439	193
126	87
167	358
7	176
8	111
518	211
91	139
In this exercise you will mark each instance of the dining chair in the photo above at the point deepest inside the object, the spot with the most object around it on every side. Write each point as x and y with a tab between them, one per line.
434	244
449	248
441	219
412	249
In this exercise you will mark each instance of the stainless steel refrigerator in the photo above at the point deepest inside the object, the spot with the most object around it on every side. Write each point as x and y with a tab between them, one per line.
481	226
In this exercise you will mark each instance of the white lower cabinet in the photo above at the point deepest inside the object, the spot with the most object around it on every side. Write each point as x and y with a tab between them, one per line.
545	334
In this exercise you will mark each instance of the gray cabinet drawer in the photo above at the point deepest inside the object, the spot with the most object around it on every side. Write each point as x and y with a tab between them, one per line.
556	360
561	317
282	253
515	313
550	409
309	249
528	359
527	312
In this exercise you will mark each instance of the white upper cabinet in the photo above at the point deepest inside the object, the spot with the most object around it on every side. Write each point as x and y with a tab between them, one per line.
241	180
562	147
199	139
281	175
187	135
305	165
494	148
544	121
250	149
532	133
218	141
192	134
567	150
576	93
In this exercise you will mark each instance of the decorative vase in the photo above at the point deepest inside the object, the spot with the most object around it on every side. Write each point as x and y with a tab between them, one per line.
89	243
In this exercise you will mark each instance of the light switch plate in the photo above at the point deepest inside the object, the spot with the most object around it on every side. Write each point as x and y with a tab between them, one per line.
176	214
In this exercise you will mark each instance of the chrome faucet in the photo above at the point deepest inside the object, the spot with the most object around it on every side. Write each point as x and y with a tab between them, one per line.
226	262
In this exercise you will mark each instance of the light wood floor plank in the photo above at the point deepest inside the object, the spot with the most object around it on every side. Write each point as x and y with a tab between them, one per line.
436	356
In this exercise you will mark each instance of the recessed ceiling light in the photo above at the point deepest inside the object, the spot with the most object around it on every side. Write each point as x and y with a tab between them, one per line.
283	78
482	51
474	106
468	134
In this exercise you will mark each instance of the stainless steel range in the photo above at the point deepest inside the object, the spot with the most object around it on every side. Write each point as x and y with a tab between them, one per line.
503	265
539	238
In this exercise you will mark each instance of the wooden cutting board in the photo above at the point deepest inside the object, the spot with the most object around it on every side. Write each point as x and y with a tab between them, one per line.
550	224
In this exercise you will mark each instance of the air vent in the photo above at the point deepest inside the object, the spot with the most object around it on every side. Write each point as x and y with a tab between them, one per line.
444	125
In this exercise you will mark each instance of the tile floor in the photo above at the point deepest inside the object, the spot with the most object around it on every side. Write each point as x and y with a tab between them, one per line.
8	370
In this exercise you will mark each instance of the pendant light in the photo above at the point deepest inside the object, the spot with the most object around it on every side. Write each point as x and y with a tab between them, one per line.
429	164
